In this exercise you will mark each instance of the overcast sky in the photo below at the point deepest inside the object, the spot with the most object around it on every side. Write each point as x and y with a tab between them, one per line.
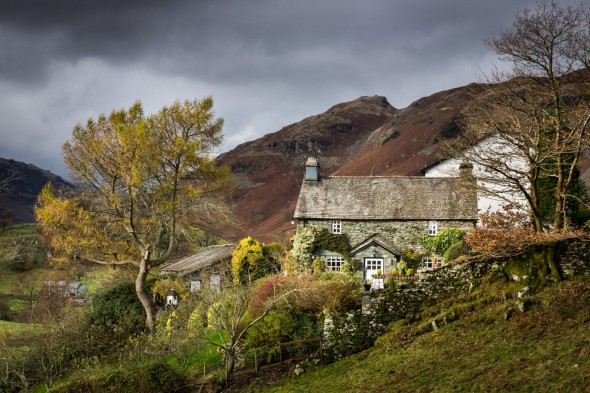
267	63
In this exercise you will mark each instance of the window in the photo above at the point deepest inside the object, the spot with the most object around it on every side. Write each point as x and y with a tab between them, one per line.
334	263
195	285
431	261
373	263
215	283
337	227
432	228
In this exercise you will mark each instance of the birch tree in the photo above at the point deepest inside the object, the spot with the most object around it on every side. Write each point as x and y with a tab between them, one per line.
144	181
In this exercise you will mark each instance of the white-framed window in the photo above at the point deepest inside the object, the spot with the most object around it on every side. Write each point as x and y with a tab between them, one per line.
337	227
432	228
195	285
373	263
431	261
334	263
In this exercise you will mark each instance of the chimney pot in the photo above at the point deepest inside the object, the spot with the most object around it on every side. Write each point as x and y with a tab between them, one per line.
312	169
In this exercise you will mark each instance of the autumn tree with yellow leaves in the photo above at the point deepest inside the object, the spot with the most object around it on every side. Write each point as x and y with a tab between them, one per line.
145	180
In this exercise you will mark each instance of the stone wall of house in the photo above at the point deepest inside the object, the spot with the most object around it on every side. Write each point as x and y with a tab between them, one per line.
403	234
204	275
353	332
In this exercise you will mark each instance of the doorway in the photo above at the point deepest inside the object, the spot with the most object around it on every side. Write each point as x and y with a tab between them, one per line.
371	267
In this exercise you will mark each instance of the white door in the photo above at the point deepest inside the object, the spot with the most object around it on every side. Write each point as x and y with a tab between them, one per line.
371	266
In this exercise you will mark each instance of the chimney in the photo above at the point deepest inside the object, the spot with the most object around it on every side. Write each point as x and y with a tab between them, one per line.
465	169
312	169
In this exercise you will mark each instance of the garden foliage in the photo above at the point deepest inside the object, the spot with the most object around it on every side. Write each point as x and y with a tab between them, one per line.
509	232
119	308
247	260
440	243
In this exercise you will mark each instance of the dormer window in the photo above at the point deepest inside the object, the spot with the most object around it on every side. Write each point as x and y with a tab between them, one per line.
337	227
432	228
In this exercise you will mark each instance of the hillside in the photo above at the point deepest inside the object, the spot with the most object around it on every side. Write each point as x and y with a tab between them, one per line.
28	180
475	342
361	137
366	136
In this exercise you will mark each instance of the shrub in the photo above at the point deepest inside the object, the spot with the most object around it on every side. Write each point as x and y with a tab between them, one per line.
118	307
440	243
318	265
330	291
401	267
316	292
276	327
247	261
455	251
273	254
509	232
152	377
412	258
5	313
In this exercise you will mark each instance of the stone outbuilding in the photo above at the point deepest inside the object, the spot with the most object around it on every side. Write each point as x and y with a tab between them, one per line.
385	215
209	265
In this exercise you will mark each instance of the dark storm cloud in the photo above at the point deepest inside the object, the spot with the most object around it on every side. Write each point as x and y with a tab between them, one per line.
117	30
212	38
268	63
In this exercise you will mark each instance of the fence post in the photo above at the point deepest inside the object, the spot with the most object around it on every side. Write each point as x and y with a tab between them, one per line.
255	361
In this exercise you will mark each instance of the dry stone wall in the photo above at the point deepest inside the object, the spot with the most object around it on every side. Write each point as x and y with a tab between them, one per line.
355	331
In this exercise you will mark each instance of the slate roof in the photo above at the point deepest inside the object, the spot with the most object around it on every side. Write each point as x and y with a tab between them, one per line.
200	260
386	198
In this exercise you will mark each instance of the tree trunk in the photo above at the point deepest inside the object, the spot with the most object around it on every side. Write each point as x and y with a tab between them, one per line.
558	219
142	293
230	362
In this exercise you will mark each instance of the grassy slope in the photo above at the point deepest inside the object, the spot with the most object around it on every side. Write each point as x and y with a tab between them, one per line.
545	349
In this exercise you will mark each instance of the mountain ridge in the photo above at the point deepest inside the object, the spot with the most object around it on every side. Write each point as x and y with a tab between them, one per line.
365	136
28	181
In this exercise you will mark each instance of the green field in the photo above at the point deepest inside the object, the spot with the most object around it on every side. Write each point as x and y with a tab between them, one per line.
16	328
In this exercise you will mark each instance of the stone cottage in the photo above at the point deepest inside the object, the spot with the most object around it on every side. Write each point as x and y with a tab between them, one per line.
210	265
384	215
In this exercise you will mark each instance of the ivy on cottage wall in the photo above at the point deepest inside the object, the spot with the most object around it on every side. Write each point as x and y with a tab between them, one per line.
311	238
440	243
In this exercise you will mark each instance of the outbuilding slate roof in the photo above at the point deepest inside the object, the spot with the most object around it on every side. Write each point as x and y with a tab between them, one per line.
386	198
200	260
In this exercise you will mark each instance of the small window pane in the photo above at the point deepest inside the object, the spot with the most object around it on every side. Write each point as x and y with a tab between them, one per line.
334	263
432	228
336	227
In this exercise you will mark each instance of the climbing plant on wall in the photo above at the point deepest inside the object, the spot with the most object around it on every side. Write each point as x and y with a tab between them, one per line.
440	243
312	238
